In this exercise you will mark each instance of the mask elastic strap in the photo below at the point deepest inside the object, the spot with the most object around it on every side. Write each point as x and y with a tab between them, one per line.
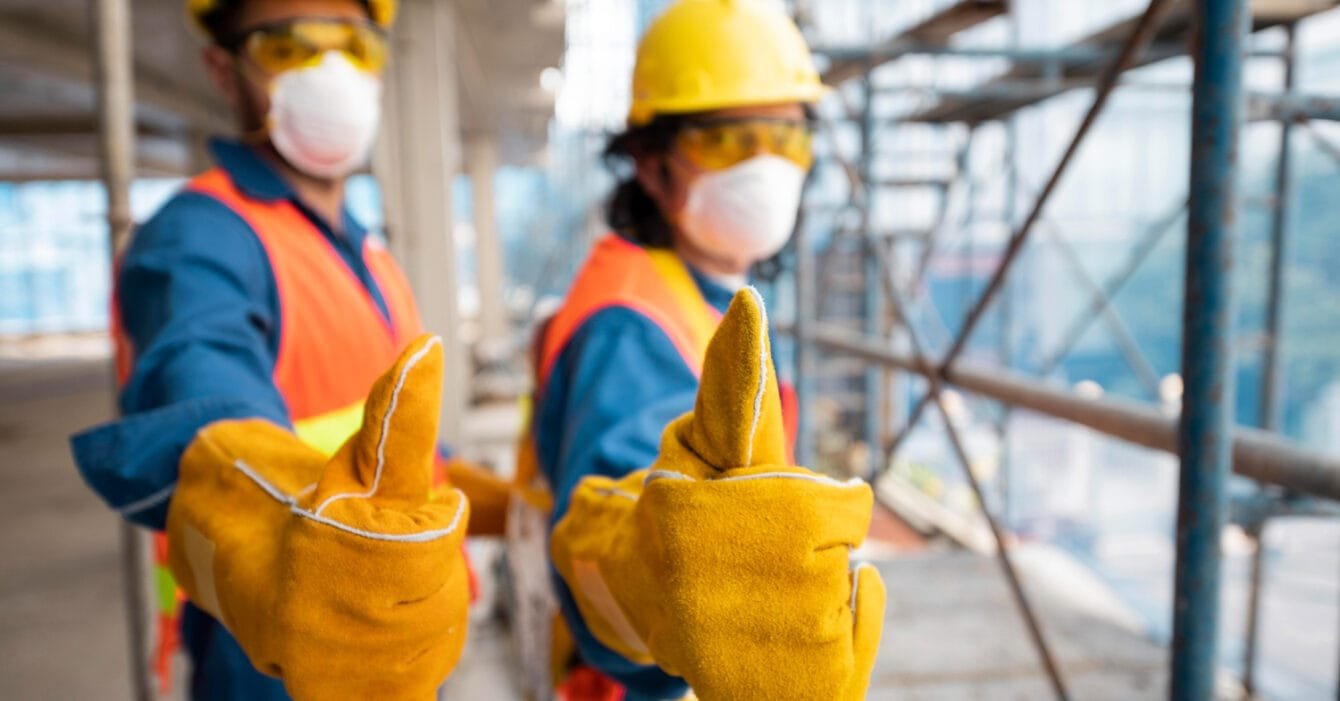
261	134
249	71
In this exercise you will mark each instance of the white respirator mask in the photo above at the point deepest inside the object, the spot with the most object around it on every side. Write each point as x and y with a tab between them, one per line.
745	211
323	118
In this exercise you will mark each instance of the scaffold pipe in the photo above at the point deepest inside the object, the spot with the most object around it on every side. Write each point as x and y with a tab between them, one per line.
1205	434
112	62
1257	454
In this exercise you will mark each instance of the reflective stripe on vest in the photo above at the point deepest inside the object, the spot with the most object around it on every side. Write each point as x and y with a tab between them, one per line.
330	430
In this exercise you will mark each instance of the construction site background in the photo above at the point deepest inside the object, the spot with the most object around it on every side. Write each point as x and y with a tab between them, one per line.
929	211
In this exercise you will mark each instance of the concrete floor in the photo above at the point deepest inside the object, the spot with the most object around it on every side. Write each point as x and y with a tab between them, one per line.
62	621
63	632
952	630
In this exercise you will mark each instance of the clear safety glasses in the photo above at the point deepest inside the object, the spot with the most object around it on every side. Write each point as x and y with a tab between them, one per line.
284	46
716	145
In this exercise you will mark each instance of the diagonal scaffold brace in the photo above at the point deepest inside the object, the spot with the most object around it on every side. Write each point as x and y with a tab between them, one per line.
1131	50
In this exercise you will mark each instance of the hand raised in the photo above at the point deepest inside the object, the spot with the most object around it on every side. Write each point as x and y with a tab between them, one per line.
341	577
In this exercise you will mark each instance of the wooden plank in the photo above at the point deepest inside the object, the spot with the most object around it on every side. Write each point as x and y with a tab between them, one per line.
1175	32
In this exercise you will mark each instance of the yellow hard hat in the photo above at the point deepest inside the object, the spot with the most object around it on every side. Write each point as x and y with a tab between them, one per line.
714	54
381	11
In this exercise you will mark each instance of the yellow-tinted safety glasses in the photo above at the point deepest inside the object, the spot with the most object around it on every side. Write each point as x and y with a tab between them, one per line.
284	46
716	145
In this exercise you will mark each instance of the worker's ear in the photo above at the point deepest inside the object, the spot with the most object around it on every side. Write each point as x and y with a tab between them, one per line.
663	182
223	75
653	174
248	98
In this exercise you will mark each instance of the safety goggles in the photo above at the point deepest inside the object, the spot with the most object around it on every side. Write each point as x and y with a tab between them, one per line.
716	145
284	46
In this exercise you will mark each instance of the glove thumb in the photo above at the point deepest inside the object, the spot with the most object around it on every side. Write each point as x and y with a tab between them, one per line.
390	460
737	419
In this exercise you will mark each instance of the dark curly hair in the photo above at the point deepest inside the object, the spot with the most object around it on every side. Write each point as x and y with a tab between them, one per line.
631	211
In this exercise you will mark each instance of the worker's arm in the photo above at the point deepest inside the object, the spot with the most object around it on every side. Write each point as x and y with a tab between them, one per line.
722	563
613	389
342	577
198	302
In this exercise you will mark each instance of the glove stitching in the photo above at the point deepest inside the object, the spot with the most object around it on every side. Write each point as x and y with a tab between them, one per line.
263	483
291	502
386	428
612	492
420	537
856	586
665	475
820	479
763	362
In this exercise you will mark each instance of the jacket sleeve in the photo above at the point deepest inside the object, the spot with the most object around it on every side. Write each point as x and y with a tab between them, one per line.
612	392
197	299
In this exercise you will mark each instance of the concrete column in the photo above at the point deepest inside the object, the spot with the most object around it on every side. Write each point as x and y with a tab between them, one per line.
416	161
481	162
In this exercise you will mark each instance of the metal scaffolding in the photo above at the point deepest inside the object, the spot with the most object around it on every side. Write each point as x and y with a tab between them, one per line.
876	325
112	61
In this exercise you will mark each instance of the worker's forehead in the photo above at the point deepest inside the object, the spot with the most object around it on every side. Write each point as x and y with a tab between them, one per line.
263	11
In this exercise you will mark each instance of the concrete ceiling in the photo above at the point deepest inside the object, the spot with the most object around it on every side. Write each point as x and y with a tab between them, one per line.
47	116
503	46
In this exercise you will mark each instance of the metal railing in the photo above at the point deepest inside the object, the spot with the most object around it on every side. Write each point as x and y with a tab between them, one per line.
1260	455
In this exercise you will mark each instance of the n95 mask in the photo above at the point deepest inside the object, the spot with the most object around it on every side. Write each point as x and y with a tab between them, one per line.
323	118
745	211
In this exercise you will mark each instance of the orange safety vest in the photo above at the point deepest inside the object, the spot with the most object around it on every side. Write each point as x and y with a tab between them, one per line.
658	285
334	343
653	282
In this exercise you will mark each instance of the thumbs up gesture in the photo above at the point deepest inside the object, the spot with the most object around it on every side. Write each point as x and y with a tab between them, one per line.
341	577
721	563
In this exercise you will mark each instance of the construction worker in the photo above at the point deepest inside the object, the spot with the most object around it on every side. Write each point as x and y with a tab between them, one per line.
654	596
254	294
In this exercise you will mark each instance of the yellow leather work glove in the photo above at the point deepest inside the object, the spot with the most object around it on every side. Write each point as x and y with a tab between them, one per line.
487	493
342	578
722	564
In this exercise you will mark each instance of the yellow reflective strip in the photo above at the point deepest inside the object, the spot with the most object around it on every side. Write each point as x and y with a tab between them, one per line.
329	431
701	318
